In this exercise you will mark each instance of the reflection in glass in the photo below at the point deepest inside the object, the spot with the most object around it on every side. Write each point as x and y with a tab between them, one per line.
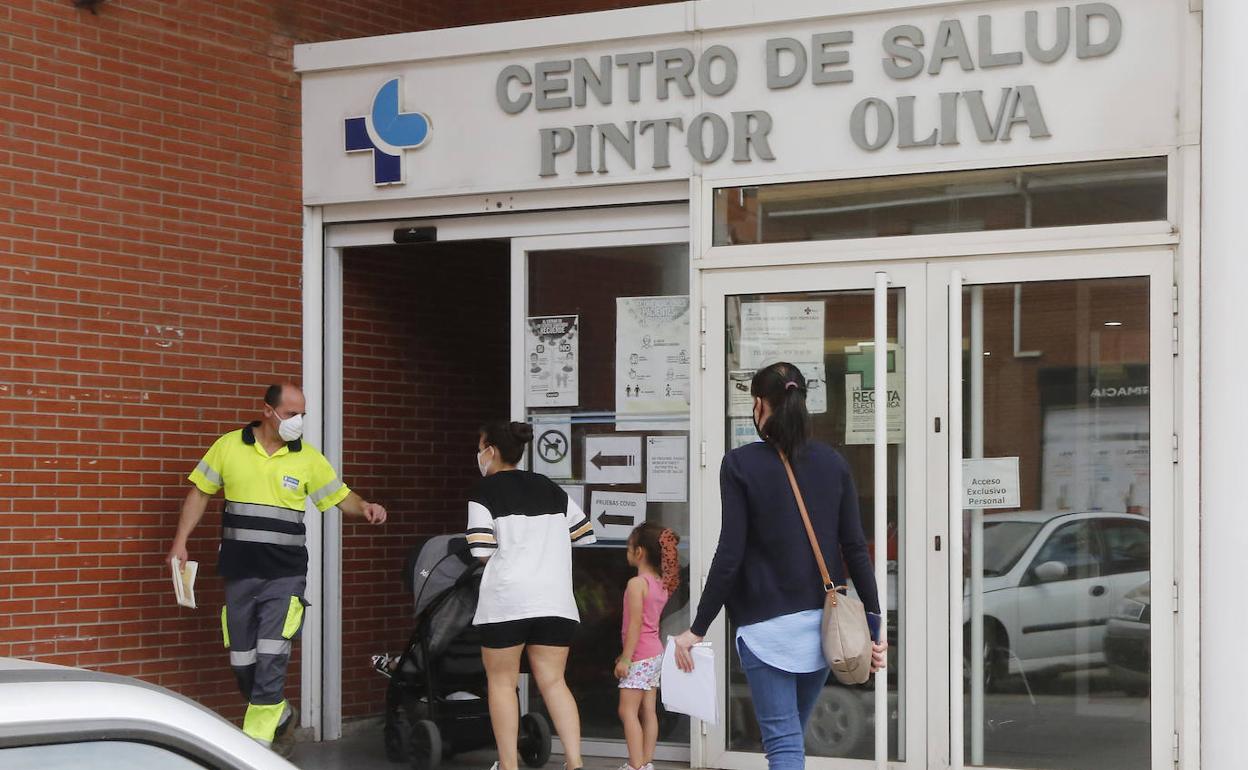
829	336
1064	387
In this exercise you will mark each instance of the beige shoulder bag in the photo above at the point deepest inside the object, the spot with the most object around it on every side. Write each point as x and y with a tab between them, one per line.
845	633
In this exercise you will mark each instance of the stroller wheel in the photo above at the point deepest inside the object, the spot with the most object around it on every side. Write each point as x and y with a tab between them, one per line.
426	745
534	740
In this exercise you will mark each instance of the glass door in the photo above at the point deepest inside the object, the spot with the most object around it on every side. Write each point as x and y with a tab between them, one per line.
830	322
1057	495
602	357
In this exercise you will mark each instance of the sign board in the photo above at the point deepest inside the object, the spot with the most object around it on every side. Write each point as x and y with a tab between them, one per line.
613	460
737	92
652	360
552	446
667	469
550	349
781	331
615	514
990	482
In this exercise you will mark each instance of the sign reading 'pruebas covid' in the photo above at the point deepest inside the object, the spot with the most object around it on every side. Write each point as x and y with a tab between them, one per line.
825	59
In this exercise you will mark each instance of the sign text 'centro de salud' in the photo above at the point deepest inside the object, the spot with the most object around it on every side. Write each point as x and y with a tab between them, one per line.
824	60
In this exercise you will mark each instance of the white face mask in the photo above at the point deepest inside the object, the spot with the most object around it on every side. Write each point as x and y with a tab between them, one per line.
480	466
291	428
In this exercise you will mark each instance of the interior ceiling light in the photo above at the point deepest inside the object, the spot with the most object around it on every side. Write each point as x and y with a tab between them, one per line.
1113	323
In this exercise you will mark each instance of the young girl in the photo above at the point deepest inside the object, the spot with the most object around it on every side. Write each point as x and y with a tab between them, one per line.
652	550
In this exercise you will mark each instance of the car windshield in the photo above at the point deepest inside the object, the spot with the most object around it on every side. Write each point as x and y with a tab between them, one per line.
1004	542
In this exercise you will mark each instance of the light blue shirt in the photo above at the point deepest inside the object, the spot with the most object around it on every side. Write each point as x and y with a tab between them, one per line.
790	643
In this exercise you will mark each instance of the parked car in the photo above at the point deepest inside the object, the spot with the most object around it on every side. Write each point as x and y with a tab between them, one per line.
1051	582
1127	646
70	719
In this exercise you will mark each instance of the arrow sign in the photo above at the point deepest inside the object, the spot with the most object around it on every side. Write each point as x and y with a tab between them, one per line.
616	513
613	461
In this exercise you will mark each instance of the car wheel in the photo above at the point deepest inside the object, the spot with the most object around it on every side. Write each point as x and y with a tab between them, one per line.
838	723
996	654
534	740
426	743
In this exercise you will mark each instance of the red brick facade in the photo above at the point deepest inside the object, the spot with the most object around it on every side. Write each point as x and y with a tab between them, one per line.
150	242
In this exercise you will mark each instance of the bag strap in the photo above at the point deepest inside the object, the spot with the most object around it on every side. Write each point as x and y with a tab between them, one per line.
828	585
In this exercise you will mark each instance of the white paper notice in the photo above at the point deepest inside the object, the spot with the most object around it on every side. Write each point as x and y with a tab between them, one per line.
613	459
652	363
990	482
615	514
740	402
552	446
743	432
576	492
550	348
667	469
781	331
816	387
691	693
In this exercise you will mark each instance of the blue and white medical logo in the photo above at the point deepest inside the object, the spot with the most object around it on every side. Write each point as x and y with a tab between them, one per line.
386	132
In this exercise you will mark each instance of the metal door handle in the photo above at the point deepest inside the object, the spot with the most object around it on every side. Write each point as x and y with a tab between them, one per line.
1098	590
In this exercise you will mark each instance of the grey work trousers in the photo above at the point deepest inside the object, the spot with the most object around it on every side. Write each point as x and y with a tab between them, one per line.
260	620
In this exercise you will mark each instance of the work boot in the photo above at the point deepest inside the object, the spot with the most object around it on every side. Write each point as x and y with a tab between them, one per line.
284	738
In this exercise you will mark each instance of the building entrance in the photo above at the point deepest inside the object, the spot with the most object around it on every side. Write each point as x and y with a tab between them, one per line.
1023	505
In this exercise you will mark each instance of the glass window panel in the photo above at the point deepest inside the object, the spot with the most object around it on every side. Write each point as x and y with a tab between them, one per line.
95	755
842	724
1067	194
586	283
1065	389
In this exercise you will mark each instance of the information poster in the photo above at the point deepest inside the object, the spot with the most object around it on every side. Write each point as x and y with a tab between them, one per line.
613	459
552	446
550	348
781	331
667	469
741	402
860	396
1097	459
743	432
615	514
990	482
652	360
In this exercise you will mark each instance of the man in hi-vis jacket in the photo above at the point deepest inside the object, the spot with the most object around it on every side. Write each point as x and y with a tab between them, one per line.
267	472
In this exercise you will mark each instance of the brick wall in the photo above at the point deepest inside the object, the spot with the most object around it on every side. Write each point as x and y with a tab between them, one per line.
425	353
150	242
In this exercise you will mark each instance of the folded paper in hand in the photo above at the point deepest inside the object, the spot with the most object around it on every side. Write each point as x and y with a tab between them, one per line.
184	581
690	693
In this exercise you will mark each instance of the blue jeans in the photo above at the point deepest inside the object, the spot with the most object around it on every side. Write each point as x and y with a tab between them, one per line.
783	703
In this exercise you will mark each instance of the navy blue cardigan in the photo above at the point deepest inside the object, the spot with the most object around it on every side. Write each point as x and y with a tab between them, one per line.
763	566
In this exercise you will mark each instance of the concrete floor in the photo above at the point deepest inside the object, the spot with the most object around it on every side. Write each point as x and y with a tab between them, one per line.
361	749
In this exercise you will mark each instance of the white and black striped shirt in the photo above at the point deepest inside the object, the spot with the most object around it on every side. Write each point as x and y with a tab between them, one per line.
526	524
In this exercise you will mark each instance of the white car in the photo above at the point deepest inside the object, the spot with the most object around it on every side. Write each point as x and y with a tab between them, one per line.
56	718
1051	583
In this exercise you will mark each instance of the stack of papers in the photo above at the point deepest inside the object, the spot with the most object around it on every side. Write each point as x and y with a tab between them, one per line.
184	581
690	693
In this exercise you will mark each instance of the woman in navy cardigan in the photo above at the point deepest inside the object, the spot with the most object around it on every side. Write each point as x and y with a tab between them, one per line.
764	571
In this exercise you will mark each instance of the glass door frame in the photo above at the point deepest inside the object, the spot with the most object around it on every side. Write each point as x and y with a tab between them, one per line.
716	285
650	231
945	281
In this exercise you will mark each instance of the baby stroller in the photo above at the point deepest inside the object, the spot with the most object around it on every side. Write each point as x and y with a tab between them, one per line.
436	701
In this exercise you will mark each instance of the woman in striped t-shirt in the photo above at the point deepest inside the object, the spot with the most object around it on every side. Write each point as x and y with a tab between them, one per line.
523	526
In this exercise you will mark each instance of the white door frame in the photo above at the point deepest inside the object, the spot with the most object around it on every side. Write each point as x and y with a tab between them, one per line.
716	285
321	675
946	747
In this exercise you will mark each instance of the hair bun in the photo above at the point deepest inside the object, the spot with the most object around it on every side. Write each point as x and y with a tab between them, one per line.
522	431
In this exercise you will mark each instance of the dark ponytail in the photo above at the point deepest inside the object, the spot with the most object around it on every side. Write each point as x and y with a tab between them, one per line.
509	438
783	387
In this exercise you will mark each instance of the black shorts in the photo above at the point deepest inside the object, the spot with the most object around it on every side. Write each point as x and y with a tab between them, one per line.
546	632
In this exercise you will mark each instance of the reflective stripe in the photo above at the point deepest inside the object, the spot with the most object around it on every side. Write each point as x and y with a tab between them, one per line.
261	722
264	511
260	536
225	629
207	471
326	490
242	658
294	618
273	647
